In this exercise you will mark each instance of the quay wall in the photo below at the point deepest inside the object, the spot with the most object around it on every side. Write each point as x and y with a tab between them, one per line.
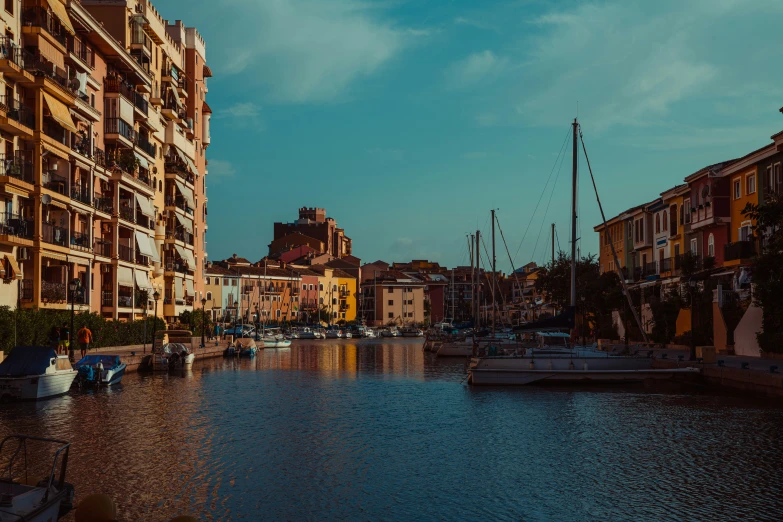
750	381
140	359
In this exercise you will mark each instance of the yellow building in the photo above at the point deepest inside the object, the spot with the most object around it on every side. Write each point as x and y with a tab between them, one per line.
673	203
347	293
613	233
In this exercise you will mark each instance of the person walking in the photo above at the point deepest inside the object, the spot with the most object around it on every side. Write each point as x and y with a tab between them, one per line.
54	339
65	338
84	336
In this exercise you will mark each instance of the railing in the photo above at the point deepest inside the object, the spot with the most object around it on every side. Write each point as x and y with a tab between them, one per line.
139	37
104	204
80	298
54	182
677	262
125	253
177	266
54	234
344	306
140	103
666	265
16	225
147	147
81	193
125	301
82	51
26	288
100	157
102	247
345	293
126	211
144	176
180	235
80	240
81	144
739	250
179	203
143	61
16	167
121	127
180	169
41	17
107	298
141	259
55	131
39	66
116	85
9	50
18	111
52	292
650	268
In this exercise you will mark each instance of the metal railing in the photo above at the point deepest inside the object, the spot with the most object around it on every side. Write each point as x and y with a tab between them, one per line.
80	240
37	16
140	103
179	203
81	193
54	182
82	51
650	268
107	298
16	225
125	253
55	131
81	144
16	166
739	250
125	301
139	37
104	204
145	145
100	157
127	212
18	111
116	85
54	234
142	259
10	50
39	66
102	247
666	264
180	235
26	288
121	127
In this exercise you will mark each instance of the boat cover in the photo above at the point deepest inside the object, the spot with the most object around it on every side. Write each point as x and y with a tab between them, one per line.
175	348
27	360
560	321
108	361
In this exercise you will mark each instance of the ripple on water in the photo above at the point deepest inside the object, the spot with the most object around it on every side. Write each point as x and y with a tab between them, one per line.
365	431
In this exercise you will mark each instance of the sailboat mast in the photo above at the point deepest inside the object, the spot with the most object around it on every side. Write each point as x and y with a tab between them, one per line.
477	301
472	275
494	273
553	245
573	217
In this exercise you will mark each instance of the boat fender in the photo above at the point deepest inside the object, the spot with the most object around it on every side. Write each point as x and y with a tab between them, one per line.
96	508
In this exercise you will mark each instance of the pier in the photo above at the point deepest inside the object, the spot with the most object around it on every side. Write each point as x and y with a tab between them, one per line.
136	360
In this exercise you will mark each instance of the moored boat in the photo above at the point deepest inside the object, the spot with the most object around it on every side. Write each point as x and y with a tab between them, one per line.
35	372
247	347
171	357
99	370
410	331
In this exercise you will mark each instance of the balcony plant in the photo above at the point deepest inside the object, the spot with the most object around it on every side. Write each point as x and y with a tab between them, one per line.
128	162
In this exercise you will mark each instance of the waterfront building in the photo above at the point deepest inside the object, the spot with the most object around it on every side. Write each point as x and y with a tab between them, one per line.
710	206
393	297
346	288
308	299
612	234
314	229
675	238
642	253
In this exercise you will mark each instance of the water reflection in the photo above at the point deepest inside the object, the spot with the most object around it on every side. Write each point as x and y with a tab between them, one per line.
382	431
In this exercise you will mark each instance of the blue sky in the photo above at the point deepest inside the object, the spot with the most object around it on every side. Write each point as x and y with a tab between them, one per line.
410	120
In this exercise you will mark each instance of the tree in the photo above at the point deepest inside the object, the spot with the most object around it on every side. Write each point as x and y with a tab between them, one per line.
767	273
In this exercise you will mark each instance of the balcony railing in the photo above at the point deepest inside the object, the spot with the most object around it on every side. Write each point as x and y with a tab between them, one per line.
81	144
147	147
739	250
121	127
107	298
81	50
102	247
40	66
55	131
140	103
54	234
100	157
179	203
180	169
9	50
125	253
18	111
26	289
16	166
81	193
16	225
139	37
650	268
125	301
180	235
54	182
126	211
116	85
80	240
178	266
666	265
104	204
141	259
52	292
41	17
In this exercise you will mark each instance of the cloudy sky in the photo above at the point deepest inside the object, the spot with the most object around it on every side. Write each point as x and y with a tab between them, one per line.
410	120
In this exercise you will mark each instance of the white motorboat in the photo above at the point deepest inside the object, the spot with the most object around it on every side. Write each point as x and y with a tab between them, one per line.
35	372
334	334
347	334
171	357
390	332
305	333
100	370
26	496
464	348
273	342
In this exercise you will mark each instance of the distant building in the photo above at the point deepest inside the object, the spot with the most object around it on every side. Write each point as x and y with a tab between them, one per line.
393	297
314	229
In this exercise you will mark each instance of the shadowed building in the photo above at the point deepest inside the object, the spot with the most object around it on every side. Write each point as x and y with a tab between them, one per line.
311	228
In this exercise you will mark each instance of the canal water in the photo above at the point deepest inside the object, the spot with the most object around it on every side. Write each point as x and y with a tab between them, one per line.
353	430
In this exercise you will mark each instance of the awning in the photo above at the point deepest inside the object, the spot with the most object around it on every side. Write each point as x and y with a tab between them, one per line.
186	255
59	11
185	223
186	193
124	276
189	288
143	243
142	281
59	111
145	205
721	274
189	162
142	161
13	268
55	256
78	260
176	97
154	247
177	287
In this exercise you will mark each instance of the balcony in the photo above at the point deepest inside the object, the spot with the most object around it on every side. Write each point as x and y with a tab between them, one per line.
650	268
180	235
26	289
739	250
81	193
125	300
16	166
120	127
12	60
102	248
55	235
16	113
666	265
16	225
345	306
41	17
104	204
178	266
81	51
141	259
39	67
107	299
53	292
150	148
54	182
140	39
180	203
100	157
125	253
344	293
127	211
81	241
81	144
55	131
181	170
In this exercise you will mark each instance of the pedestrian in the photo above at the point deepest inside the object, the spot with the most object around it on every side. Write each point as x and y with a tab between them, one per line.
54	339
217	331
84	336
65	338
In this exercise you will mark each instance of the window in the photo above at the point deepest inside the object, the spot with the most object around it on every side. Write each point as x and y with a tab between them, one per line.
751	184
391	315
665	221
321	287
334	288
744	232
391	302
209	296
657	223
391	290
694	247
233	282
321	300
711	246
630	230
334	300
737	189
334	315
778	179
206	280
9	6
311	287
225	281
277	314
304	287
686	206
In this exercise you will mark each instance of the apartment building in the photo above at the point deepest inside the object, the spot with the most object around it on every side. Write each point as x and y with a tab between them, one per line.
90	125
393	297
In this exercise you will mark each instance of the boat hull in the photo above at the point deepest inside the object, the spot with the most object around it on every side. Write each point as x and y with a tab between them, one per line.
276	343
114	376
36	387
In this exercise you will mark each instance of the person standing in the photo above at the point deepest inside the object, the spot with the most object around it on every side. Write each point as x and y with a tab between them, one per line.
54	339
84	336
65	338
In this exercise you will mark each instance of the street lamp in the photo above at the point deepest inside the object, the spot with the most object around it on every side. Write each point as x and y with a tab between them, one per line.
156	297
692	285
144	314
74	286
203	320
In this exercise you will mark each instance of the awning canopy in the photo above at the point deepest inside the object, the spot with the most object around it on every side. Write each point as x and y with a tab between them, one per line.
59	111
189	288
78	260
177	287
142	161
186	255
185	223
143	244
13	268
58	8
154	248
145	205
124	276
186	193
54	255
189	162
143	282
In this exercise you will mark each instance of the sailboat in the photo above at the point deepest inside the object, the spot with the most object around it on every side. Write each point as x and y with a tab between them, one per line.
557	362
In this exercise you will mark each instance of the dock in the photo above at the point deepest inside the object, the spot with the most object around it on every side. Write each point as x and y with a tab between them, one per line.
135	358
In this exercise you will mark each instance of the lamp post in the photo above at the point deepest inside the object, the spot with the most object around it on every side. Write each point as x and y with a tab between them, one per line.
74	287
144	314
156	297
692	285
203	320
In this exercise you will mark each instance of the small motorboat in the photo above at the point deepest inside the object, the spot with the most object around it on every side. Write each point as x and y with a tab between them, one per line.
412	332
347	334
172	357
99	370
231	351
274	342
34	372
247	347
334	334
27	495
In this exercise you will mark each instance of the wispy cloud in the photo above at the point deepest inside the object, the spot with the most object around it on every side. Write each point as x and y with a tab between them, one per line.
220	170
243	115
475	68
478	24
309	51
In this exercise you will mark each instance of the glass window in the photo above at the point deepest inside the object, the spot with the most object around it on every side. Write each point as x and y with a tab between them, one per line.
391	315
737	189
391	302
751	181
711	246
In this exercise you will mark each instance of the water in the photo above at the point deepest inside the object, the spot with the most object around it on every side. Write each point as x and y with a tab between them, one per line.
358	431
